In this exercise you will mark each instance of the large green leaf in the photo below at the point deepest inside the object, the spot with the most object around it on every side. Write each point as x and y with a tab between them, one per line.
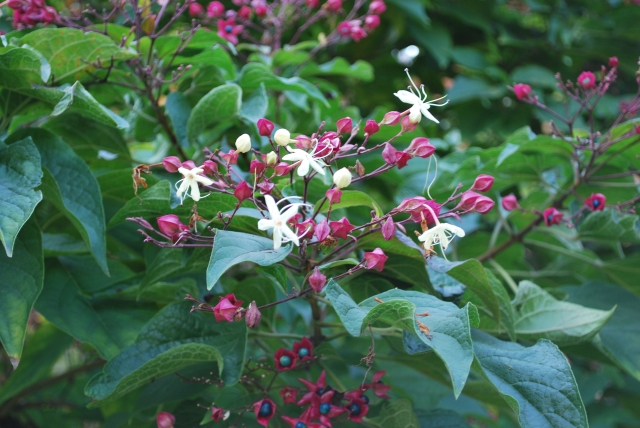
441	418
20	174
71	52
618	339
610	225
171	262
353	198
20	284
231	248
173	339
21	68
396	414
42	351
255	107
537	382
449	326
360	70
179	110
220	104
540	316
108	325
254	74
156	201
69	184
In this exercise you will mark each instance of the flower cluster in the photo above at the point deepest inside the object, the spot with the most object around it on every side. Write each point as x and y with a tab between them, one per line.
28	13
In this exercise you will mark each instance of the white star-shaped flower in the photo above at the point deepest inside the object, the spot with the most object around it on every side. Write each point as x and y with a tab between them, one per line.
420	105
307	161
191	179
441	234
277	221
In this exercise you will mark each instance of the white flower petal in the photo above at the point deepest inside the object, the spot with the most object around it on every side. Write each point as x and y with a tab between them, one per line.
204	180
184	185
195	190
407	97
426	113
265	224
414	114
303	168
318	166
289	213
274	212
289	234
277	238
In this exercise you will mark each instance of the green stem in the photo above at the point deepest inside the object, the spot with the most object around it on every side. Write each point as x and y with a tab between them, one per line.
510	282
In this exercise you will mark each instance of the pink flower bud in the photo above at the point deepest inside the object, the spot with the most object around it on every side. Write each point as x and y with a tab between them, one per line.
303	142
421	147
189	164
256	167
371	22
402	158
391	118
637	129
210	167
388	229
483	204
375	259
334	195
377	7
261	10
171	226
587	80
408	125
165	420
217	413
334	5
344	29
322	230
265	127
317	280
244	12
389	154
305	229
357	33
253	315
467	200
215	9
266	187
521	90
510	202
416	206
226	308
243	191
195	9
282	168
483	183
371	127
552	216
341	228
171	163
596	202
344	125
231	158
613	61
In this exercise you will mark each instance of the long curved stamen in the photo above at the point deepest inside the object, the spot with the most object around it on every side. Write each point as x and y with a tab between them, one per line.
437	105
427	177
433	214
411	90
438	99
406	70
323	156
423	92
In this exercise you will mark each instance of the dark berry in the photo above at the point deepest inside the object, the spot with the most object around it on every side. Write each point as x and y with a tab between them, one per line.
301	425
228	28
265	409
596	204
303	352
325	408
285	361
321	391
354	409
365	399
550	218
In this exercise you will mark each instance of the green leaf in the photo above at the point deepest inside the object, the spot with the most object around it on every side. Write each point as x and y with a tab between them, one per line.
537	382
156	201
449	326
441	418
108	325
469	88
171	262
62	244
42	351
231	248
540	316
534	75
20	173
220	104
360	69
610	226
254	74
20	284
69	185
186	338
277	274
618	339
72	51
255	107
396	414
353	198
21	68
179	110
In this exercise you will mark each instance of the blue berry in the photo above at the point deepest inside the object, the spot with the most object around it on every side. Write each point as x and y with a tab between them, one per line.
354	409
325	408
303	352
365	399
596	203
321	391
265	409
285	361
301	425
228	28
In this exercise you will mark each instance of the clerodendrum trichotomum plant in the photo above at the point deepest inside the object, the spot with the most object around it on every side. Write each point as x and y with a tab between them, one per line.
294	252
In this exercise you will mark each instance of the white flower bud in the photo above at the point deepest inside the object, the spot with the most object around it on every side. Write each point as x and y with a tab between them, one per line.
272	158
282	137
342	178
243	143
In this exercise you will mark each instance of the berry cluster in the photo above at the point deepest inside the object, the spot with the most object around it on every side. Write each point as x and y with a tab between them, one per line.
27	13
